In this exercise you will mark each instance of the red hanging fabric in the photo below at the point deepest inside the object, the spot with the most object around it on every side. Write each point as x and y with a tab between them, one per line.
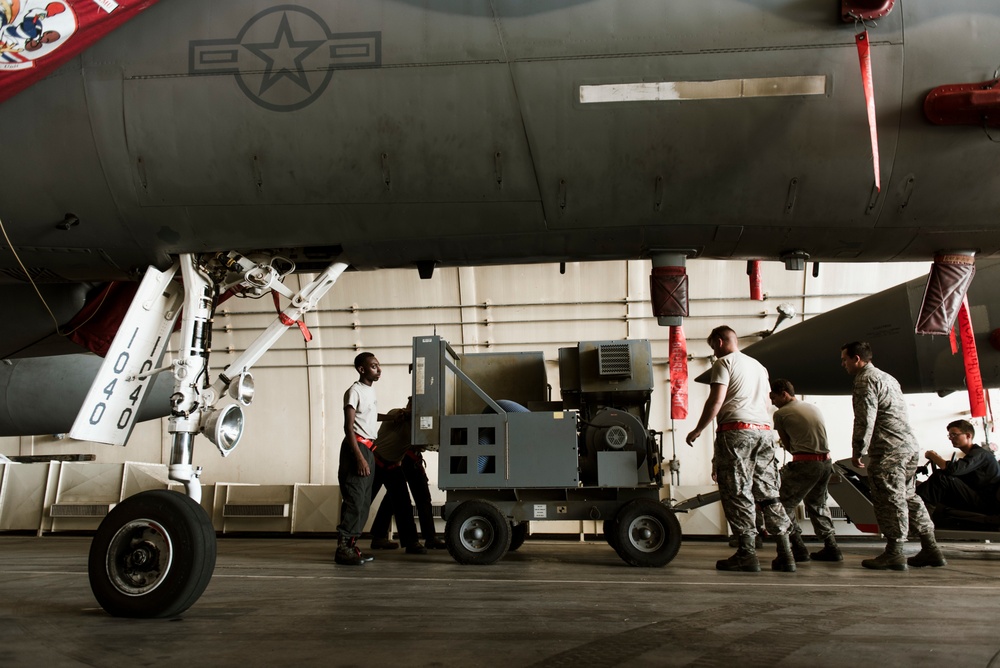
678	374
756	286
864	56
973	379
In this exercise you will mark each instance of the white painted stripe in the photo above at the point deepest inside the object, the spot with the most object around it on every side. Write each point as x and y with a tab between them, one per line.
722	89
646	583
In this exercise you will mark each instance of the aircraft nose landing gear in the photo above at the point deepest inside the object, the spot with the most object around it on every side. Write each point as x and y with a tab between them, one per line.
153	555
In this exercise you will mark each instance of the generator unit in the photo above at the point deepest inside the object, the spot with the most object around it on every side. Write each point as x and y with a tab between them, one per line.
509	454
610	384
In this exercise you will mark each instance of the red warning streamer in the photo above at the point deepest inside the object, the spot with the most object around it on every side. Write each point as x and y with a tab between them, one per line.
756	285
973	380
678	374
288	322
864	56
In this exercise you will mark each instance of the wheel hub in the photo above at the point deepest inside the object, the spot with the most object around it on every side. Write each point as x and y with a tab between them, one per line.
646	534
138	557
144	557
476	534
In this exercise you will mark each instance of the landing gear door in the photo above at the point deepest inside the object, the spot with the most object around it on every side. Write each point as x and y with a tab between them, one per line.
108	413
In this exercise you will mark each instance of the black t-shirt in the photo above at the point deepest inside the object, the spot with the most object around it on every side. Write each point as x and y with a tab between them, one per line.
978	469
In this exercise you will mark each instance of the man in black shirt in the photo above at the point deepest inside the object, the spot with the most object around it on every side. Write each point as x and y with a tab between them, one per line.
968	483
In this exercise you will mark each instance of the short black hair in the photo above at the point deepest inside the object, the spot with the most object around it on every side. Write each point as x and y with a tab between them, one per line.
721	332
779	385
859	349
963	426
360	360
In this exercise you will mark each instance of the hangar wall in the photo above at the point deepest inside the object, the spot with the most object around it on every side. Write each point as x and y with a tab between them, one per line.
295	424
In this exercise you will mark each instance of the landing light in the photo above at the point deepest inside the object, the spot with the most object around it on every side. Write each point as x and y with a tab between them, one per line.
242	389
224	427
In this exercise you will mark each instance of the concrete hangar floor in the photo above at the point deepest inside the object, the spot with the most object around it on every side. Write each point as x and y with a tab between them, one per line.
283	602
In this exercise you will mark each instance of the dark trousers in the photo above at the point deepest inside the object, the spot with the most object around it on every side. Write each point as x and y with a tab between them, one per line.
946	490
355	490
391	476
416	477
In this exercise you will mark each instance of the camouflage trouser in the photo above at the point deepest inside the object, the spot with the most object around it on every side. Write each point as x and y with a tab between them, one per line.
892	478
807	482
747	473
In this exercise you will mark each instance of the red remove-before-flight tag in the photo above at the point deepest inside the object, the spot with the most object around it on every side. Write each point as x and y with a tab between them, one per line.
864	56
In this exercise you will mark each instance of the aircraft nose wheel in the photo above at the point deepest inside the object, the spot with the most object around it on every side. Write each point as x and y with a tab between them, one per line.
152	556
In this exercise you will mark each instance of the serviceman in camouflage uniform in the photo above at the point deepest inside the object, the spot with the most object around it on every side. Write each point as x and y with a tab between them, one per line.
806	478
881	425
744	462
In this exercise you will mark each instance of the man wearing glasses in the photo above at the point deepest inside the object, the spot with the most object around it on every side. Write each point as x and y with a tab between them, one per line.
968	483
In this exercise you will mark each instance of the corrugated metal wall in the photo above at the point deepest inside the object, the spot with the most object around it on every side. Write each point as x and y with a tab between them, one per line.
295	424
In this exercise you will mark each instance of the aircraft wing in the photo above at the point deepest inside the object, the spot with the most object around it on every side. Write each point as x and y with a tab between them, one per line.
808	353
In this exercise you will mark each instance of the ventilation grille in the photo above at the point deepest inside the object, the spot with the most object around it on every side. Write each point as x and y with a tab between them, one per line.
80	509
836	512
37	275
255	510
614	359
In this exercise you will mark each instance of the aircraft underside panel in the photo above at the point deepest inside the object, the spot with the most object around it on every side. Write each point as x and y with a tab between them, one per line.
418	135
738	161
946	176
459	133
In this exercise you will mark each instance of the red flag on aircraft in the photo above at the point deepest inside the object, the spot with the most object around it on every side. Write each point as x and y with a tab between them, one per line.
678	374
37	36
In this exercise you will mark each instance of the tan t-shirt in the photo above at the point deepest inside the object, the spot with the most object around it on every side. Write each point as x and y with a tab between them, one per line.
746	389
801	428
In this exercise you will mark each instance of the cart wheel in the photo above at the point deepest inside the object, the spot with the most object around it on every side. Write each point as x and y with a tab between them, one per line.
518	532
152	556
610	532
477	533
647	533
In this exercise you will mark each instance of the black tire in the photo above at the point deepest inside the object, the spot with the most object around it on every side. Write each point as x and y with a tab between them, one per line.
610	533
477	533
647	533
518	532
152	556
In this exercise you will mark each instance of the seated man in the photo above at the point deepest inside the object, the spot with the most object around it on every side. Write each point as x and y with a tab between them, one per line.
962	484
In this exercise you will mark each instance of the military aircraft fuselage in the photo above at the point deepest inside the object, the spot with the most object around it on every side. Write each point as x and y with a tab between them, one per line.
394	132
